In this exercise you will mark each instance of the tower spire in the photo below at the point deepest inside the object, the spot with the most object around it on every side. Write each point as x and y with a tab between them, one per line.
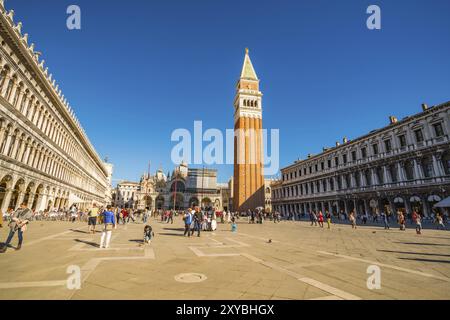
248	72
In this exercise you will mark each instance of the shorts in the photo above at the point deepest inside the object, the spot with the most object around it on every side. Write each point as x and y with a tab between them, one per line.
92	221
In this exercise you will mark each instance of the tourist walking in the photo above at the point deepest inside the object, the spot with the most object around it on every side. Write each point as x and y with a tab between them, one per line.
170	217
321	219
198	219
440	221
314	218
386	221
187	222
352	219
109	220
18	223
328	216
401	221
92	221
417	219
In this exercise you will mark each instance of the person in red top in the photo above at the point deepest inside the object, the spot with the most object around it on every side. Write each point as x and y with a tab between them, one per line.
321	219
124	215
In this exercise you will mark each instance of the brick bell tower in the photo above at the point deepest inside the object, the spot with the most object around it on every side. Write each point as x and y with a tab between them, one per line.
248	188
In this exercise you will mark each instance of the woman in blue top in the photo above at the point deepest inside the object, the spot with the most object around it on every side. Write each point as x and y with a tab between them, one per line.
109	220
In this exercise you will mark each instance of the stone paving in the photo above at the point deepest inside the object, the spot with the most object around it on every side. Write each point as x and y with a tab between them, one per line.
300	262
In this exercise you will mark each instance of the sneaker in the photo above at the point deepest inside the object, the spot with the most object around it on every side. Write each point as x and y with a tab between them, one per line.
18	247
3	249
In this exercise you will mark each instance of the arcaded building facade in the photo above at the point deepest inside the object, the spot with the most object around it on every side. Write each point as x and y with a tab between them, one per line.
46	158
404	166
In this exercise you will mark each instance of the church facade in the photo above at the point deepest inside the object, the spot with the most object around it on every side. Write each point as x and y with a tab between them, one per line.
183	188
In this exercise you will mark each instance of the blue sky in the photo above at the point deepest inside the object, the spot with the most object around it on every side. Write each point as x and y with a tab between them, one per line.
139	69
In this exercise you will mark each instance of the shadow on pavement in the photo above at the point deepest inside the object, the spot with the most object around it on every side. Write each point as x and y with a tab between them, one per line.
418	253
426	260
171	234
93	244
174	229
425	244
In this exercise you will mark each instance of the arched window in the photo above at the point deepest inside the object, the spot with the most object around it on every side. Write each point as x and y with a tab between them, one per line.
427	165
393	172
368	178
446	162
409	170
380	175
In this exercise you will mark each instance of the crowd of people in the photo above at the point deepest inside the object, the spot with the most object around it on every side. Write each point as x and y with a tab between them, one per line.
195	219
415	219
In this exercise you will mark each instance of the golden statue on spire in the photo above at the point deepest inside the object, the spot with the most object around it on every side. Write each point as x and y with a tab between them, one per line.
246	51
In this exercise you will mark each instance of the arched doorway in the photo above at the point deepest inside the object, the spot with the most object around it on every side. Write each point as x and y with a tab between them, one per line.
159	202
37	196
416	204
148	202
193	202
432	200
176	201
5	183
206	202
28	192
18	188
399	205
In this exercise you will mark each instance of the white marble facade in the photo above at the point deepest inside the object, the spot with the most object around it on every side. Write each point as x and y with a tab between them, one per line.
405	165
46	158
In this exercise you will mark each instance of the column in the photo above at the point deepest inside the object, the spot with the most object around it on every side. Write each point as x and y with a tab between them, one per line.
31	200
13	93
6	200
387	176
375	181
366	207
5	85
8	142
417	170
20	198
330	208
438	170
425	207
407	205
392	206
401	171
346	207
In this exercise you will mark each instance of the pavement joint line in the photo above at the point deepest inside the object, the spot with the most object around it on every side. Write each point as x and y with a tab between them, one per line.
317	284
33	284
420	273
256	237
332	297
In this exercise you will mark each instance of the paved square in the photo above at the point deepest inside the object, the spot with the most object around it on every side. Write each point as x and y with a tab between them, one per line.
301	262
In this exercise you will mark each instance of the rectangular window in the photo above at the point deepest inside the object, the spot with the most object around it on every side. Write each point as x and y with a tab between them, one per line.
353	155
336	161
344	158
329	163
419	135
438	130
375	149
387	145
304	171
316	168
310	170
402	140
363	153
322	165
